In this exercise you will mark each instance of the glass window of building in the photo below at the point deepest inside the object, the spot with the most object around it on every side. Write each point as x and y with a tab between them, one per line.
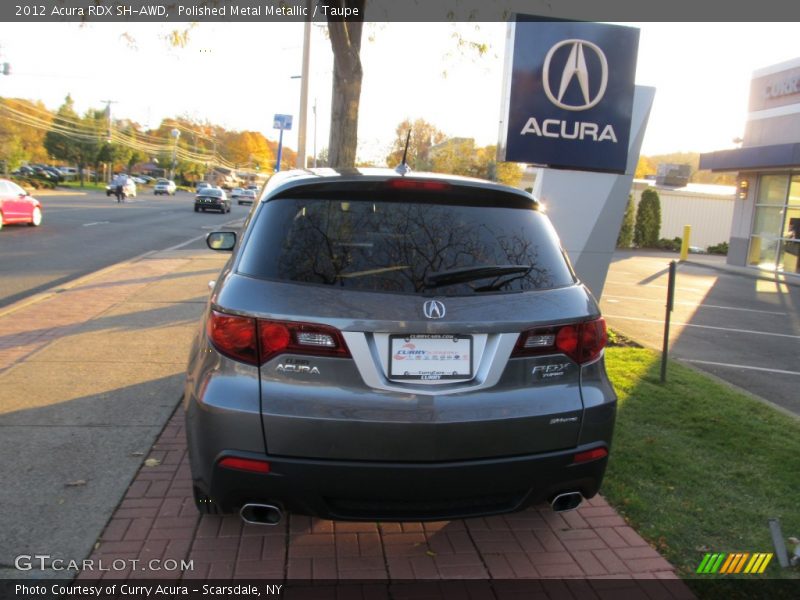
775	237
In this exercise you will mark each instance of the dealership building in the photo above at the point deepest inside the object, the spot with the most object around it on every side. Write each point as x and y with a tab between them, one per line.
765	232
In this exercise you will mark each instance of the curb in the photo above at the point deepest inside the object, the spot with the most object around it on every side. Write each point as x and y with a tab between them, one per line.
781	278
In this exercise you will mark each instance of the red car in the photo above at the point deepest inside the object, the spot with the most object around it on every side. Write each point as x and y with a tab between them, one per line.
16	206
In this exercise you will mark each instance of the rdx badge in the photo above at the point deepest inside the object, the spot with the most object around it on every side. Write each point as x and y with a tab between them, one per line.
550	371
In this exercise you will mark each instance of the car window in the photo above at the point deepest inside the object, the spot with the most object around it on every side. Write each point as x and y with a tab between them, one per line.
15	190
409	247
5	188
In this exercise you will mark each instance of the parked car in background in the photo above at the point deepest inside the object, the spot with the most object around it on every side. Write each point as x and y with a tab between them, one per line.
212	198
129	189
387	347
69	172
164	187
24	171
16	206
40	172
245	197
53	174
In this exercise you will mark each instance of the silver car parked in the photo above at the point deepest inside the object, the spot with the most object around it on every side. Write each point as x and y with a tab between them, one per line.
396	347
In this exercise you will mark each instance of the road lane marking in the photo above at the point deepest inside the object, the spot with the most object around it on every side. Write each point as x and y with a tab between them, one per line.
675	323
93	223
687	303
717	364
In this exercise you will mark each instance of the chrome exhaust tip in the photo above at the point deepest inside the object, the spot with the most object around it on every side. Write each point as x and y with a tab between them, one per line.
566	501
261	514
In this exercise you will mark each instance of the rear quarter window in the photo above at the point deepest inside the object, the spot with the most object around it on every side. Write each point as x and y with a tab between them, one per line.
403	246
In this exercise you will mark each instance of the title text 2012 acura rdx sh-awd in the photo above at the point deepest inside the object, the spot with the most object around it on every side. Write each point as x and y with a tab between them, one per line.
396	347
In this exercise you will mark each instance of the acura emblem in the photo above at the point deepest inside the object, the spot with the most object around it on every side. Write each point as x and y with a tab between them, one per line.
433	309
575	68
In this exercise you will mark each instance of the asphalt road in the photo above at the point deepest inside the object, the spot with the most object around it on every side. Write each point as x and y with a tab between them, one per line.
742	329
84	232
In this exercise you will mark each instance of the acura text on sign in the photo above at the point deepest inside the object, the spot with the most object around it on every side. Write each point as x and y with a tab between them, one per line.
570	94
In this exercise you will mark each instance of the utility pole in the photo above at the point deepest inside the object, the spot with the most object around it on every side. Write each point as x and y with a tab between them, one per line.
108	135
301	128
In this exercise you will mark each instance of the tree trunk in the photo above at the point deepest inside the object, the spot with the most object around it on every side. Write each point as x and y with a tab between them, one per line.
346	44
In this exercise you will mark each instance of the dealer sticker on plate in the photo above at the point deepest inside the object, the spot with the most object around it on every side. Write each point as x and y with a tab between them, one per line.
430	357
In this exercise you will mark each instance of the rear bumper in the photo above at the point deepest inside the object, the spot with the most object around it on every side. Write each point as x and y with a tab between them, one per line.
358	490
211	205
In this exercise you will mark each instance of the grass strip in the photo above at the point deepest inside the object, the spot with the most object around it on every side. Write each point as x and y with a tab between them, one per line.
698	467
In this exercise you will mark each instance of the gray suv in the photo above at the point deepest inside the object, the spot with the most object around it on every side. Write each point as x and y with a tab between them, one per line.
396	347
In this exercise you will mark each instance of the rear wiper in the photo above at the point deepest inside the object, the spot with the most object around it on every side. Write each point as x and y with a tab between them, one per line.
464	274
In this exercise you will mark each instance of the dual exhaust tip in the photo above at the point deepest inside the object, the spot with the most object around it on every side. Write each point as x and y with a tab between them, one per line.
566	501
269	514
261	514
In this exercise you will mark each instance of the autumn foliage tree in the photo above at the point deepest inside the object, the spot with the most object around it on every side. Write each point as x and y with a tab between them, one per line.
19	141
424	136
73	140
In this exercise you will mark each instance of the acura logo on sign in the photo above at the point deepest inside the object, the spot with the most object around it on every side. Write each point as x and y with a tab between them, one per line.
575	68
433	309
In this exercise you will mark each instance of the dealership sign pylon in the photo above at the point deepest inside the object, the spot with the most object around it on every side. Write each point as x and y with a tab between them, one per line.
569	107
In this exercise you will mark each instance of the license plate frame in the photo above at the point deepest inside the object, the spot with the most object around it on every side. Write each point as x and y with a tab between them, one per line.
429	357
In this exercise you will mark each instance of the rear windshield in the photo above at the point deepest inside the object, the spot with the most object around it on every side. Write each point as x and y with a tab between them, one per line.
405	247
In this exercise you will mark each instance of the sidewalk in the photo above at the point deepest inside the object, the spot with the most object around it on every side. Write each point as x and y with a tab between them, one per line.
89	377
89	374
719	263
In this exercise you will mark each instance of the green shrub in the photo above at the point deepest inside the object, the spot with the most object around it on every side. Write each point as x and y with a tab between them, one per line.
625	237
673	245
721	248
648	220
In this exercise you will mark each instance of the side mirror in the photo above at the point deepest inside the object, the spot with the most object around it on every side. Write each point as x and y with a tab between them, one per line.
221	240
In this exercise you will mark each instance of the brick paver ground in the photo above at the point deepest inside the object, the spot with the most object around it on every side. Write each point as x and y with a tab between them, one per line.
157	519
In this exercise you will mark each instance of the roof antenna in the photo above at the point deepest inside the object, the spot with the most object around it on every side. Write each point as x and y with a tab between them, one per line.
403	167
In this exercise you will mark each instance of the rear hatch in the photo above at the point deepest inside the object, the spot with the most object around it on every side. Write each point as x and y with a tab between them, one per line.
393	325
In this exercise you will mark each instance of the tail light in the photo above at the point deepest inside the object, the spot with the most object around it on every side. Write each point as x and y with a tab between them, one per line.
234	336
255	341
582	342
280	337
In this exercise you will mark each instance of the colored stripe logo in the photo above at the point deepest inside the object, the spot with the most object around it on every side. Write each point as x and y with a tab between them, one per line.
736	562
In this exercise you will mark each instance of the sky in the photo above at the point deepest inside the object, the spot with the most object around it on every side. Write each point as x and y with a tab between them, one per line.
239	75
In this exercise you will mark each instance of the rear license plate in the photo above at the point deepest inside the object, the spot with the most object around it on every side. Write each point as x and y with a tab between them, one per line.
430	357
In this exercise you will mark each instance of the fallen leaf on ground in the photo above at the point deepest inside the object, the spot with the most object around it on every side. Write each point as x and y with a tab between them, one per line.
152	462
